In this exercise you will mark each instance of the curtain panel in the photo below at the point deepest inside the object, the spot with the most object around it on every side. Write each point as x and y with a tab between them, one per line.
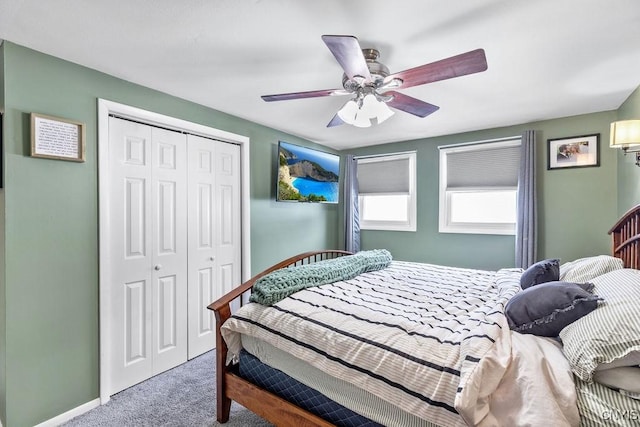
351	208
527	218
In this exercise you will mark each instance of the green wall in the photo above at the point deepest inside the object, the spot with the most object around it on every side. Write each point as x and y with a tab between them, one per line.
3	329
628	172
576	206
49	294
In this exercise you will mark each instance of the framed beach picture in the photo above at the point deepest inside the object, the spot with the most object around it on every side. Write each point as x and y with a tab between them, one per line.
573	152
306	174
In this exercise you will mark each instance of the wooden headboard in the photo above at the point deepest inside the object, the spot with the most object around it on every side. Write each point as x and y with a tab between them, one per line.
626	238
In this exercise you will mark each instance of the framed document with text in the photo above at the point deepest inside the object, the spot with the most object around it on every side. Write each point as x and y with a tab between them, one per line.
56	138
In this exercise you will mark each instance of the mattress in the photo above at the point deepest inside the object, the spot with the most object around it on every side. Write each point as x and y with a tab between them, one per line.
342	392
277	382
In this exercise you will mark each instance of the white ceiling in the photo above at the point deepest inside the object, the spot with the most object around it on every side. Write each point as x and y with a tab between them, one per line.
546	58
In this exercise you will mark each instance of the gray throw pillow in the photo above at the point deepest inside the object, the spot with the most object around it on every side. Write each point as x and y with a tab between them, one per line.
547	270
547	308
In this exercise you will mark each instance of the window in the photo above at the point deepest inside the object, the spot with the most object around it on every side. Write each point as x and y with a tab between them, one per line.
478	187
387	192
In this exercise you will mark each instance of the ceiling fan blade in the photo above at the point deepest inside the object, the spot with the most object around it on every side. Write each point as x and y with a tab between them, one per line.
348	53
300	95
471	62
411	105
336	121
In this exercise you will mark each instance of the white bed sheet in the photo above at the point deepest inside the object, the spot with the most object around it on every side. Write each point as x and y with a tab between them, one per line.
524	381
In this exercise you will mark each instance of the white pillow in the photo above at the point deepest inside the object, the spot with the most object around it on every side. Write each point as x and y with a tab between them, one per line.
586	269
609	333
625	378
631	359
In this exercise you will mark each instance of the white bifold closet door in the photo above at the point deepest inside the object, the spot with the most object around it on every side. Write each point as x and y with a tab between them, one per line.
172	221
214	233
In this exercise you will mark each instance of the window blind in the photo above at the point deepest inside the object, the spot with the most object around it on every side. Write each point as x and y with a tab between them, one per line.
383	176
483	165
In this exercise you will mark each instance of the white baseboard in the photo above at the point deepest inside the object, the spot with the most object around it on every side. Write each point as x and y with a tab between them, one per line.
63	418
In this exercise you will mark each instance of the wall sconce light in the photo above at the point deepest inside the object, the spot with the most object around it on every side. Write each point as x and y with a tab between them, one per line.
625	135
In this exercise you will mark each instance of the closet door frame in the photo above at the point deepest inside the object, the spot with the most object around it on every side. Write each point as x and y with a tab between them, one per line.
105	109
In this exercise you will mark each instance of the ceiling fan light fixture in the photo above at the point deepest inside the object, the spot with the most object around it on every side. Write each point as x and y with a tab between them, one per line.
384	112
368	107
374	108
364	77
362	120
348	112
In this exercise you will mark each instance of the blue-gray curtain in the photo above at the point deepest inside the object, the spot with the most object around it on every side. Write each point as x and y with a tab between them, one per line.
351	209
527	218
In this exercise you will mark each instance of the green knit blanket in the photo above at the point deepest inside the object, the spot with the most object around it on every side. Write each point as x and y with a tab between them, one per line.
279	284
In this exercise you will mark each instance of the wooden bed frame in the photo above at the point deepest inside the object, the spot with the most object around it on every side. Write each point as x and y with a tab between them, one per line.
231	387
626	238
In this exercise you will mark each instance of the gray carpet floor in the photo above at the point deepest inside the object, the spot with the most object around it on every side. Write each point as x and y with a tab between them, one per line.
183	396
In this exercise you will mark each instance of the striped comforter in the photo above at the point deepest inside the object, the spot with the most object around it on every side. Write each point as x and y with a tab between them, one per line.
413	334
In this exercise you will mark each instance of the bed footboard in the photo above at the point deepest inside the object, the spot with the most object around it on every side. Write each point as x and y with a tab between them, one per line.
232	387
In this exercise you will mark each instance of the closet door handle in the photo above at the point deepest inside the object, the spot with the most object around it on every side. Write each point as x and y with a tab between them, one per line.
157	267
212	258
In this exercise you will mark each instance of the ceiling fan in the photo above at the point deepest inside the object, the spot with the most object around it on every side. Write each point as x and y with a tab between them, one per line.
374	87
